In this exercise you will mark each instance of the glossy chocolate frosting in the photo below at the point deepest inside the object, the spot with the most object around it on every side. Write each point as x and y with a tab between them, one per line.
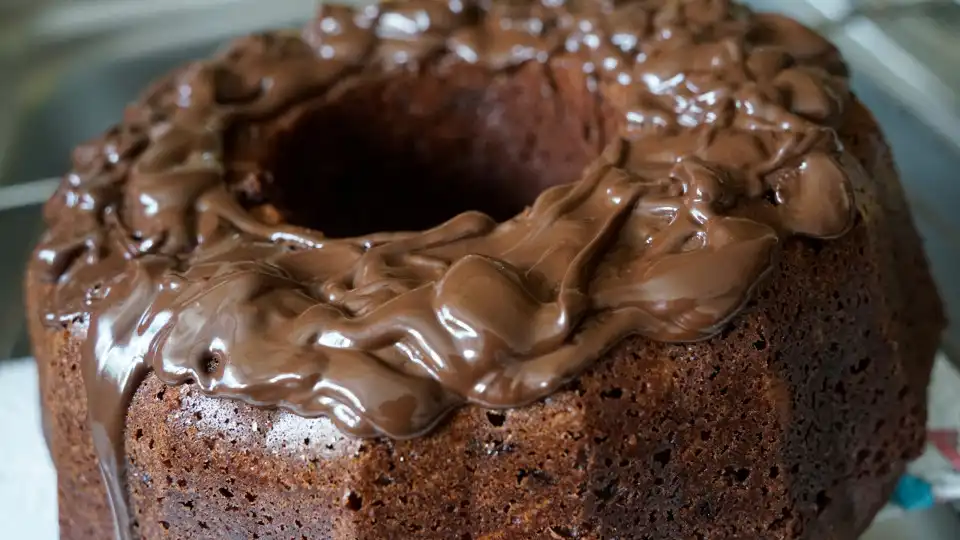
726	149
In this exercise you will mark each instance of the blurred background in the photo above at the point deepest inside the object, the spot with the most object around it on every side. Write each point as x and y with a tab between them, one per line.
68	67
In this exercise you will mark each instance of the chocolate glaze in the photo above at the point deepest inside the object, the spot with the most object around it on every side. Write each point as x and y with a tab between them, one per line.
726	149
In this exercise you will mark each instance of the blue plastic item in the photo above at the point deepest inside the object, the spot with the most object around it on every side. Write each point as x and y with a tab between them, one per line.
913	493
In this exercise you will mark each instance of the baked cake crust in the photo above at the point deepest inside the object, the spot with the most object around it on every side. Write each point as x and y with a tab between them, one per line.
793	422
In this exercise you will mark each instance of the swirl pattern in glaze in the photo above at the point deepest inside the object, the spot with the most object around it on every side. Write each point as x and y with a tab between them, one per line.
726	148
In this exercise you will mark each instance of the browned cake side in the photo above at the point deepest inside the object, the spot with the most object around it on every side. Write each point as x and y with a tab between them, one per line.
794	423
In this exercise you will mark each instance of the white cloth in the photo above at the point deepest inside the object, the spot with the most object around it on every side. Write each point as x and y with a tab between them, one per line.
28	483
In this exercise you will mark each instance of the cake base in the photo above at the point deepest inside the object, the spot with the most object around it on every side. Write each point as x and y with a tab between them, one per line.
794	423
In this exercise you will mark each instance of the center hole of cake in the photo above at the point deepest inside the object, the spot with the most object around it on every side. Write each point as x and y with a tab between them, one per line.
414	150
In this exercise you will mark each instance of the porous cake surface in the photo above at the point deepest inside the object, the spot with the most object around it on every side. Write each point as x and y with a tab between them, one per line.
487	270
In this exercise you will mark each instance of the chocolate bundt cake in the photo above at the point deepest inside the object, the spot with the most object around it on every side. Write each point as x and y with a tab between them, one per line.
507	269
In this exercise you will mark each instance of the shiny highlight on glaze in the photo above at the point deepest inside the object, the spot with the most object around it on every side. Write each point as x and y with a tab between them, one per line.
726	149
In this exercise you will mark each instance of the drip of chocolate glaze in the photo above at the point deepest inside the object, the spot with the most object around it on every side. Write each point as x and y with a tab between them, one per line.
727	148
